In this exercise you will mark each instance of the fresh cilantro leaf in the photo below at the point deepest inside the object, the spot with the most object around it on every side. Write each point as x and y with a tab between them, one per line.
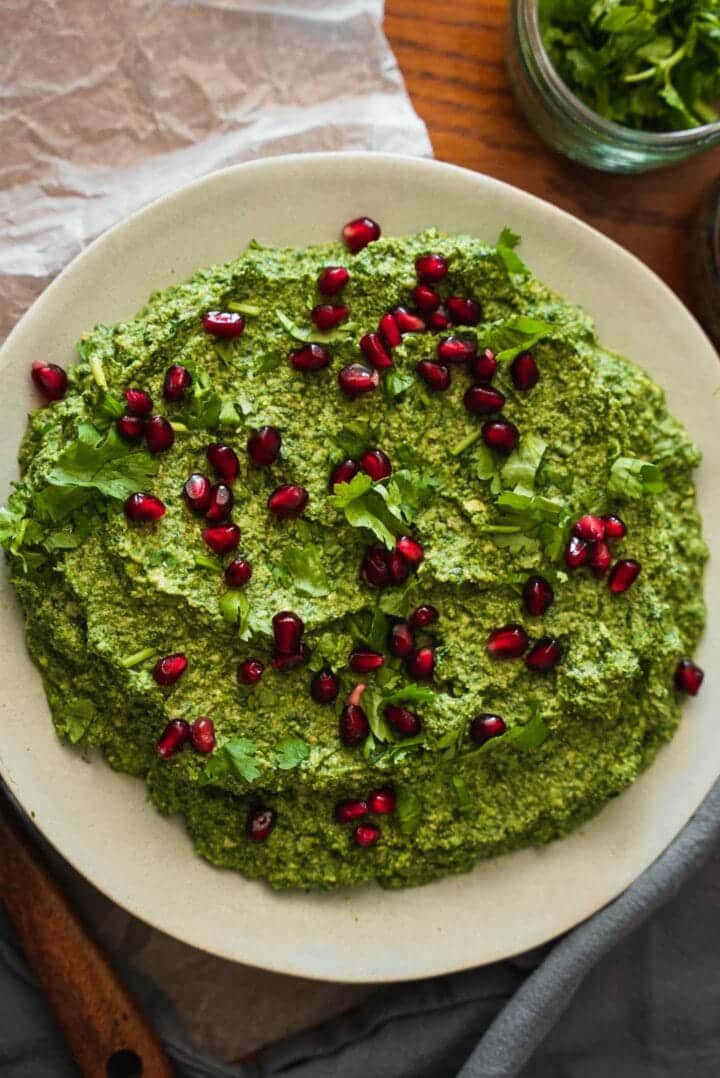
506	244
377	634
364	504
520	468
412	694
301	568
106	464
409	492
202	406
314	336
234	759
291	752
396	382
373	704
409	810
527	737
55	504
462	796
489	468
630	478
517	335
108	410
396	753
508	238
234	607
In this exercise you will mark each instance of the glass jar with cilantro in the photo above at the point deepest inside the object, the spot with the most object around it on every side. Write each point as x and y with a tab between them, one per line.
621	85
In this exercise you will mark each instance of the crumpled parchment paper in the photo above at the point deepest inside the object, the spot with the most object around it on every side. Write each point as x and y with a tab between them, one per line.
104	106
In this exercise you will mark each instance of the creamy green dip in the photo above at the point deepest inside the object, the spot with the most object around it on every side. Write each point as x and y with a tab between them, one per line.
104	597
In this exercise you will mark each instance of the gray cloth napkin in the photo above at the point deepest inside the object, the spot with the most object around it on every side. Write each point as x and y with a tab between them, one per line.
633	992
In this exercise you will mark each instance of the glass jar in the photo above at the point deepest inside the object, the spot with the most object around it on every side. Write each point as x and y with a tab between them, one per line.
570	126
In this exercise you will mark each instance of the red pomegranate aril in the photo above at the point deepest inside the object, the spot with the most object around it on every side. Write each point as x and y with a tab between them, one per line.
221	503
138	401
615	528
400	640
389	330
507	642
284	663
439	319
589	528
407	321
524	372
177	380
287	630
324	687
423	616
343	472
383	801
463	311
250	671
354	725
260	822
376	464
288	501
202	734
435	375
197	492
420	664
50	379
538	595
484	366
169	669
222	538
359	233
483	727
159	435
500	434
310	357
688	677
263	446
332	280
398	567
365	662
410	549
144	508
404	722
349	810
431	268
130	427
327	316
227	324
482	400
600	559
577	552
355	379
238	573
374	570
224	460
456	350
171	740
623	575
544	656
426	299
375	351
366	834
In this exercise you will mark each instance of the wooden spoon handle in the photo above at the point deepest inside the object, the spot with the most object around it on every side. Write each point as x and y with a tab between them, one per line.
105	1031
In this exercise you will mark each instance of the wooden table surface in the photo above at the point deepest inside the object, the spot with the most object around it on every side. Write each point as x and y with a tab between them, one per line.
451	55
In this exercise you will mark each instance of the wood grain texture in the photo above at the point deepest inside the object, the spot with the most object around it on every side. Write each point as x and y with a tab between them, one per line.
452	57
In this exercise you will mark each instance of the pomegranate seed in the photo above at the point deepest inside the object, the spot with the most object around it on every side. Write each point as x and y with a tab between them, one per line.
349	810
376	464
250	671
172	739
50	379
222	538
500	434
589	528
332	280
382	801
375	352
326	316
264	445
434	375
284	663
311	357
177	380
260	823
431	268
224	460
221	503
600	559
223	323
623	575
238	573
389	331
365	662
366	834
524	372
577	552
400	639
688	677
615	528
426	299
462	311
159	435
410	549
423	616
456	350
288	501
343	472
397	567
544	656
287	630
508	642
324	687
197	492
130	427
403	722
483	727
483	367
144	508
407	321
202	735
374	570
354	380
138	401
354	726
482	400
439	319
421	663
168	670
359	233
537	595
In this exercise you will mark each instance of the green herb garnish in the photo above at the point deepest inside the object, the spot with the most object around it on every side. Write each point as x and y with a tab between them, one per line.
630	478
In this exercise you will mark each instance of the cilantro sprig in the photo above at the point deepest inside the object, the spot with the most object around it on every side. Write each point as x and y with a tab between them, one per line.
384	507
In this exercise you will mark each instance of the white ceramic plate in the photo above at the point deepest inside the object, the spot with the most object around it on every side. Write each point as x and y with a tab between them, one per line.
102	822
